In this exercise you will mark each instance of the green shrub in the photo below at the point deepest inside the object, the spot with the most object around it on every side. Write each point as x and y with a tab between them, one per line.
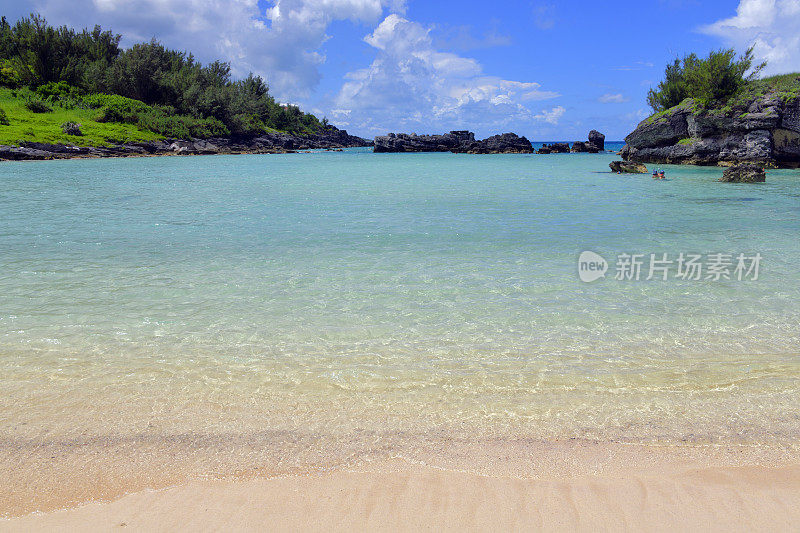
163	120
114	108
714	79
3	118
38	106
181	126
58	90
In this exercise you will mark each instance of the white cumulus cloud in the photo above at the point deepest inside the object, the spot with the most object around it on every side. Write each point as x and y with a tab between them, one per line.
612	98
552	116
772	26
413	86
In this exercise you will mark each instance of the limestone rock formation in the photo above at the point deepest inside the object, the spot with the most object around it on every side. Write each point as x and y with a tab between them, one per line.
764	130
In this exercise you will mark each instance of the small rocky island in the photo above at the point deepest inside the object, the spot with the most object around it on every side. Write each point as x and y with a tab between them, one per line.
460	142
464	142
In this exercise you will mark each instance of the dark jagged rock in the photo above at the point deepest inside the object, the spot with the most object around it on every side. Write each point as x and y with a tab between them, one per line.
460	141
506	143
554	148
627	167
598	140
596	143
267	143
579	147
404	142
744	173
764	130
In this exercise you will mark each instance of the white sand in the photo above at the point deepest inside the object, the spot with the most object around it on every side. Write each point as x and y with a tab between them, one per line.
413	497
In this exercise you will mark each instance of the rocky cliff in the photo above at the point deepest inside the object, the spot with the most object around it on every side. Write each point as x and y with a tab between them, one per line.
331	138
759	126
462	142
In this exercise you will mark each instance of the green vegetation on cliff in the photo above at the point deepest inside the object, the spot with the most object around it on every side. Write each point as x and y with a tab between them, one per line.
708	81
52	76
784	87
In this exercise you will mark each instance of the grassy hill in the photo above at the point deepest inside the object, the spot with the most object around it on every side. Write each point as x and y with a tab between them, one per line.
25	125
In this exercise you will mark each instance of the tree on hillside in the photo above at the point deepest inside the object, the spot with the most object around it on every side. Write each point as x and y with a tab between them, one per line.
713	79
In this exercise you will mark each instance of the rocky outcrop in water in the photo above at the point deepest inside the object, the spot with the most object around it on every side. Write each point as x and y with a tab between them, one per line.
404	142
744	173
627	167
554	148
267	143
462	142
507	143
763	129
598	140
583	147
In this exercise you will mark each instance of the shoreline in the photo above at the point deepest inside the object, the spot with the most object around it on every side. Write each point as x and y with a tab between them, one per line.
104	472
267	143
68	157
578	486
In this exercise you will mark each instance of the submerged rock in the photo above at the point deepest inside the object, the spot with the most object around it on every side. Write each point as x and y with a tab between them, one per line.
744	173
627	167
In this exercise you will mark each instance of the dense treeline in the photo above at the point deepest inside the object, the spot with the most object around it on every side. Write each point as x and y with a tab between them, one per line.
61	64
710	80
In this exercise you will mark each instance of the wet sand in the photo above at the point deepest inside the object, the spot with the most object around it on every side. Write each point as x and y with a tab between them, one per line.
419	498
560	486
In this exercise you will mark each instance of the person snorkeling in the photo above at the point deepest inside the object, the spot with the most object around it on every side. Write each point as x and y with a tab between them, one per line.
661	175
655	174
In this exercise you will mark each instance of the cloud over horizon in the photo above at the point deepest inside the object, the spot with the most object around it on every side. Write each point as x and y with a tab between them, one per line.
411	85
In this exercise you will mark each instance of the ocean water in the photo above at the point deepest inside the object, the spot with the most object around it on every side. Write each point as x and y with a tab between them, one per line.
398	296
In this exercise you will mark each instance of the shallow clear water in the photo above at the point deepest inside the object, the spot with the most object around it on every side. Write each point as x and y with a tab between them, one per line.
393	293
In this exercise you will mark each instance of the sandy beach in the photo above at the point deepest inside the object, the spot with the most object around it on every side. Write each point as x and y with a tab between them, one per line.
415	498
567	486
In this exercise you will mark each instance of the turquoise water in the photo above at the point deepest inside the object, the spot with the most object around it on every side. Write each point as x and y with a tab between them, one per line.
336	292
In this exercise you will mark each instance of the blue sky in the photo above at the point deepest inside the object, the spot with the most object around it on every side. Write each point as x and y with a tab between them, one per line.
548	70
